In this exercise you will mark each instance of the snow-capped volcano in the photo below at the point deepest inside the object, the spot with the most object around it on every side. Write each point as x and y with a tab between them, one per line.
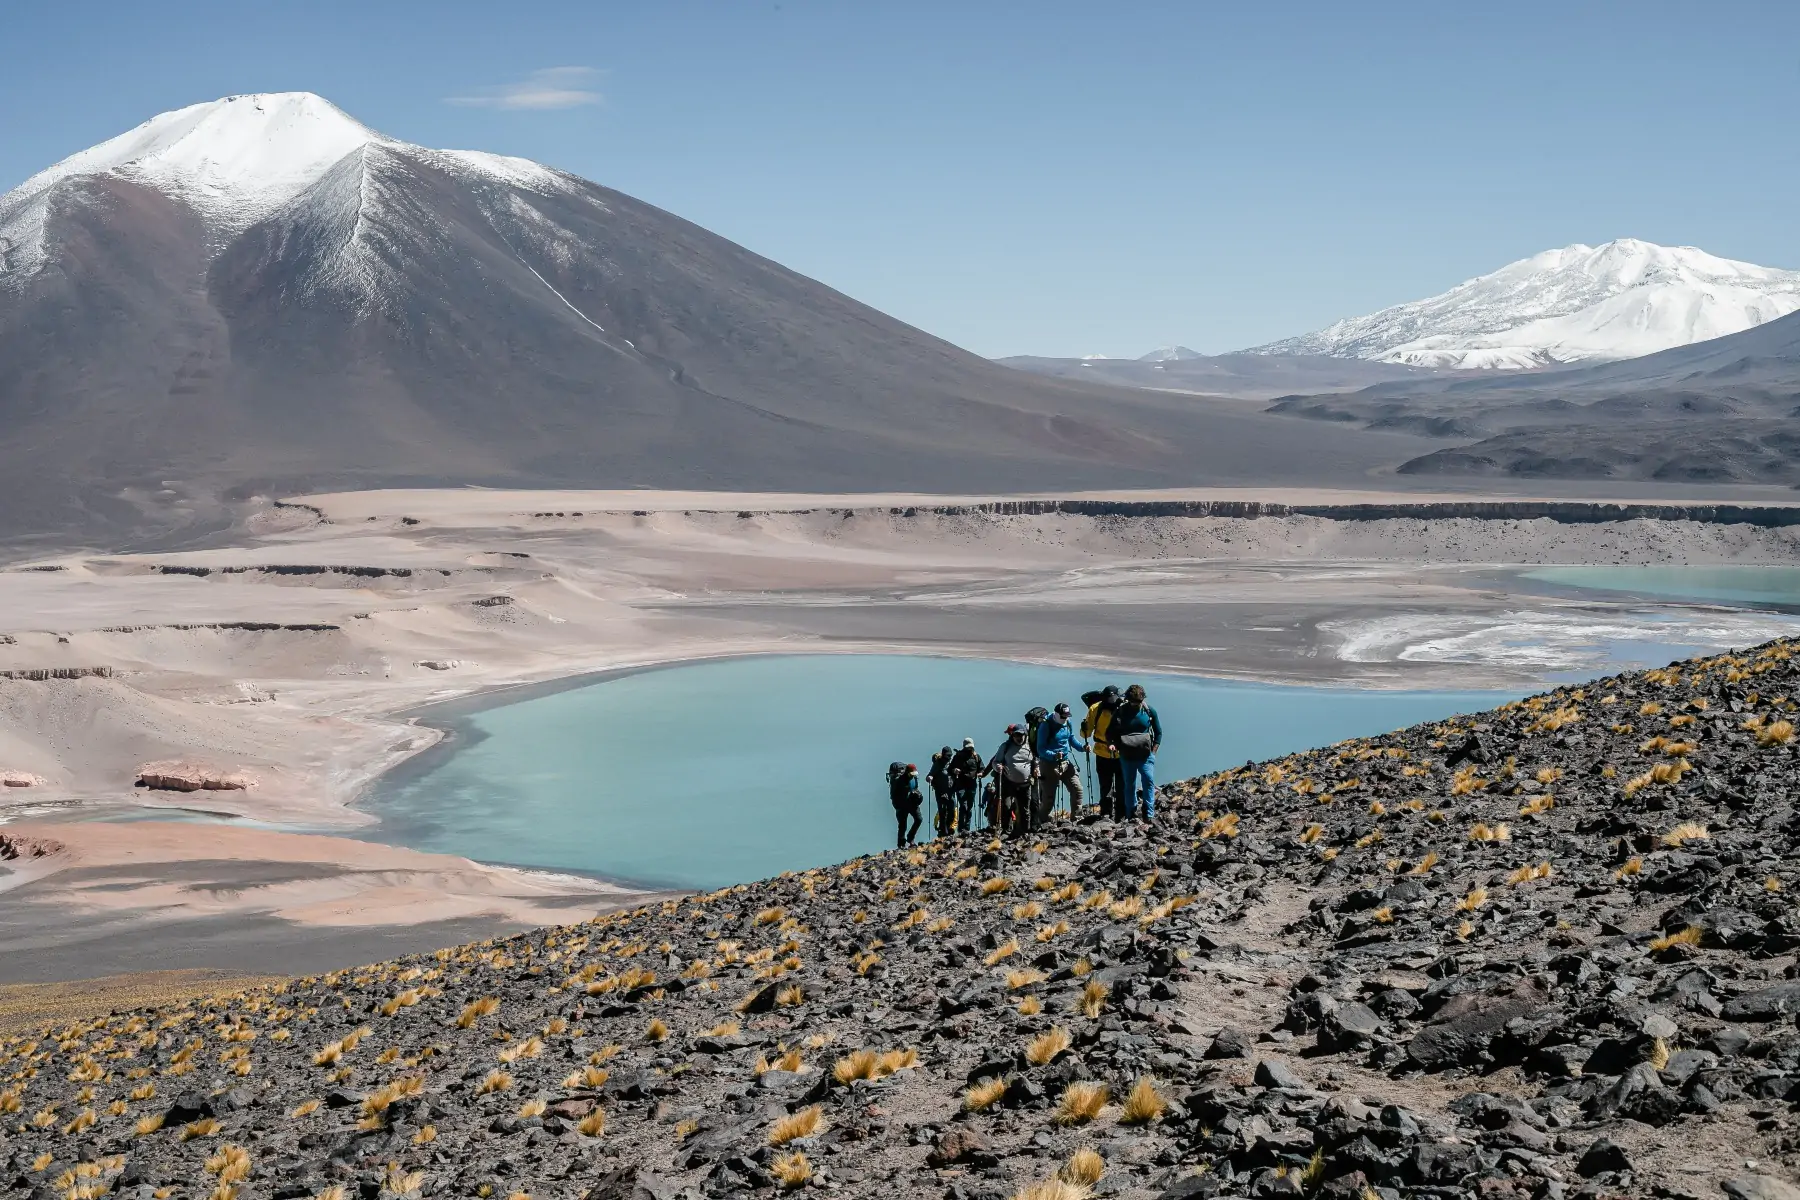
234	161
1581	303
262	292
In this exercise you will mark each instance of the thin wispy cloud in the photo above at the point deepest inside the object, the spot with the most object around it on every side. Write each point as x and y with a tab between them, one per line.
545	90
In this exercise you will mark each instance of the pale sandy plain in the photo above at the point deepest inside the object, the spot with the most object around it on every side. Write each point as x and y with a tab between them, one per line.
299	653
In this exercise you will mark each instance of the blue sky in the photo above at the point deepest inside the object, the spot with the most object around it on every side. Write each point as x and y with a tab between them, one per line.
1042	177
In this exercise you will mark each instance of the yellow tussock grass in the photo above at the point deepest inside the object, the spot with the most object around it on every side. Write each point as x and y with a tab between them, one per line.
1093	999
1051	932
1476	897
1424	865
477	1009
1030	1006
1047	1045
496	1081
1024	977
1143	1103
592	1125
996	885
790	1171
804	1123
1687	831
1052	1189
1080	1103
1689	936
984	1095
1004	950
204	1127
1084	1168
657	1031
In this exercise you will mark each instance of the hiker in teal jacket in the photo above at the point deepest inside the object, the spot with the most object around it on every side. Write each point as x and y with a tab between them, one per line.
1135	733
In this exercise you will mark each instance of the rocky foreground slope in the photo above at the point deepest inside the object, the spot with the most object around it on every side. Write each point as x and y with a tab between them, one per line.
1545	951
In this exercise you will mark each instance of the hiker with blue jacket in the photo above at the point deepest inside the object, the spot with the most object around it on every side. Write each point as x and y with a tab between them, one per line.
1056	736
1134	734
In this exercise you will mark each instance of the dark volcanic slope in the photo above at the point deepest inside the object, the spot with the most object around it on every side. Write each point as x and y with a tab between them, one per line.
1715	412
1544	951
405	321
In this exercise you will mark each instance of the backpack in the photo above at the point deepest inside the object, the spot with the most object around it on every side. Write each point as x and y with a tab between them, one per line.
895	771
1033	719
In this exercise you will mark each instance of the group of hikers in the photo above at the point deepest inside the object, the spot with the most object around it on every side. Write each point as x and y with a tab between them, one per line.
1014	790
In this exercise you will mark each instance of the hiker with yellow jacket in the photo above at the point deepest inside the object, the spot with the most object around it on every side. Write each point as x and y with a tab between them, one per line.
1107	774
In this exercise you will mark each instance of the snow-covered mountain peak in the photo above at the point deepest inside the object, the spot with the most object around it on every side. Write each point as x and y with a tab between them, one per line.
234	158
1170	354
234	161
1623	299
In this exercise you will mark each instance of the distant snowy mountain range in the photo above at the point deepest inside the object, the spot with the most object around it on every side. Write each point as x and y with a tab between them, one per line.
1622	300
1578	304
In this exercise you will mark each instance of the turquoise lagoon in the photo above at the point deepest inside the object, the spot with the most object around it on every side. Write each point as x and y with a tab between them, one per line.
711	773
1730	585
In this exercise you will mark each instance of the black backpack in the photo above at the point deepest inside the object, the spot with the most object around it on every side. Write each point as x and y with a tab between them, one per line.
1033	719
895	771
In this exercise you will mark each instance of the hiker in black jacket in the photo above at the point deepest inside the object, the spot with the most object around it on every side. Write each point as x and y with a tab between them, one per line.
903	790
966	769
943	799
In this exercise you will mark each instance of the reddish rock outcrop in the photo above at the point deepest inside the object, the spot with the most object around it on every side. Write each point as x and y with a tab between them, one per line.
192	777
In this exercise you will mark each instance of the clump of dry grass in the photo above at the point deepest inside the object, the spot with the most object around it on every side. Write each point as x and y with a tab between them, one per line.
1084	1168
790	995
1771	733
1004	950
657	1031
1051	932
476	1010
146	1126
802	1124
1689	936
1537	805
1481	831
790	1171
1474	899
1143	1103
1632	866
1528	874
592	1125
1047	1045
1093	999
1687	831
1030	1006
305	1109
1024	977
535	1107
769	916
204	1127
996	885
1080	1103
984	1095
1052	1189
496	1081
